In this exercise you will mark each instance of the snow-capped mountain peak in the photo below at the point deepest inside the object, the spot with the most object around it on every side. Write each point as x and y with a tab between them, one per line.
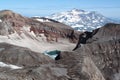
78	11
81	20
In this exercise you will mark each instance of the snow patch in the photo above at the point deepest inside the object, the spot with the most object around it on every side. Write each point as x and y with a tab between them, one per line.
95	21
78	26
2	64
0	20
26	28
42	20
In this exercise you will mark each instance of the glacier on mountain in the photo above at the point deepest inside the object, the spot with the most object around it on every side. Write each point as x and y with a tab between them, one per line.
81	20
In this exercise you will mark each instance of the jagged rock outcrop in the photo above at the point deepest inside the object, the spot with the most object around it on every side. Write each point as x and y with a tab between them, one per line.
108	32
94	59
105	55
103	48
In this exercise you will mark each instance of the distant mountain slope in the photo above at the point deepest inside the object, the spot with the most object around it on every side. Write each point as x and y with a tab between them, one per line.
81	20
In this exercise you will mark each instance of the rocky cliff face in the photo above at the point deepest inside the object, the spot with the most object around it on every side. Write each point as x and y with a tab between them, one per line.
14	22
31	33
103	48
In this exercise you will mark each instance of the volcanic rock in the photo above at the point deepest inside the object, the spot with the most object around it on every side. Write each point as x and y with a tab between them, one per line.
103	48
96	56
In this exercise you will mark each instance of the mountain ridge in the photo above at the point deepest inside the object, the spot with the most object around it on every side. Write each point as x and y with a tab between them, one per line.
27	32
81	20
